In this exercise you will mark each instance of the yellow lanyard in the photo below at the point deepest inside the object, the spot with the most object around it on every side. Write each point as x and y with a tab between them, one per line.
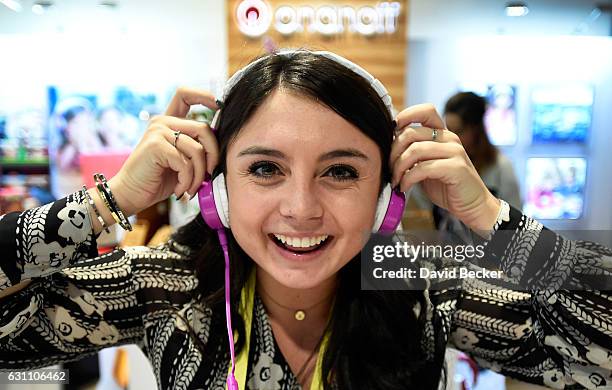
247	301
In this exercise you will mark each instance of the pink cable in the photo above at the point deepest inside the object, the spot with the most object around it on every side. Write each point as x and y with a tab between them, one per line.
232	384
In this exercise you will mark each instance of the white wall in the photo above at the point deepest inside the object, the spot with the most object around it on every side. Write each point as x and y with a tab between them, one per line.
78	45
436	69
434	19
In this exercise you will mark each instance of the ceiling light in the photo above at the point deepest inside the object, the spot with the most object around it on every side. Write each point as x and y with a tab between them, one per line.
109	4
12	5
516	8
40	7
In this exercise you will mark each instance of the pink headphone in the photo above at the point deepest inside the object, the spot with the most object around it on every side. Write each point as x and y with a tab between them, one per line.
213	200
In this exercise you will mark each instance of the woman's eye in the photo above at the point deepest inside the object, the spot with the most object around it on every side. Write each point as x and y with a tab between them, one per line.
264	169
342	173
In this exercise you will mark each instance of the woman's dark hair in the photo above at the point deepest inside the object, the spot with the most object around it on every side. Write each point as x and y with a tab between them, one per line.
471	108
376	338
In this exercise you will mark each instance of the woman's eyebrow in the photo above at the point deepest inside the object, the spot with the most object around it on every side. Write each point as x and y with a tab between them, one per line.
251	150
351	153
338	153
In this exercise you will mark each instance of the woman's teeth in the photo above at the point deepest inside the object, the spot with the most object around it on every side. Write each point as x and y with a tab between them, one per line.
304	242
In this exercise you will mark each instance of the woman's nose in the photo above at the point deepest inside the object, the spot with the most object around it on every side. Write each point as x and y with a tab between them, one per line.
301	202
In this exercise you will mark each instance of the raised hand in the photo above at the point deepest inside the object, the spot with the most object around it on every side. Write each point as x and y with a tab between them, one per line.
442	166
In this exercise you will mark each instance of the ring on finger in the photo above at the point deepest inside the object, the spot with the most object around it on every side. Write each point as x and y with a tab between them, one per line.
176	137
434	134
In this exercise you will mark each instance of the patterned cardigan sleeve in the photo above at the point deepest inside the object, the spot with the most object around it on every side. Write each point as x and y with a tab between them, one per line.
544	322
78	302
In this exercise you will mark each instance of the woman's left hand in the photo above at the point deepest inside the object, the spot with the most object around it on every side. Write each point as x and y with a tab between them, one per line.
443	167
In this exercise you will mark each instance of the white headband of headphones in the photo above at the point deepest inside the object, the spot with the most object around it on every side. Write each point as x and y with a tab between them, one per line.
374	82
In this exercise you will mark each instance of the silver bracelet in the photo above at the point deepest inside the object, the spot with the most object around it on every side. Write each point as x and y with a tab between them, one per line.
95	209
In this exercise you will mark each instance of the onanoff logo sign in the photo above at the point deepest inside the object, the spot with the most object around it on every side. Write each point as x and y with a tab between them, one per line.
255	17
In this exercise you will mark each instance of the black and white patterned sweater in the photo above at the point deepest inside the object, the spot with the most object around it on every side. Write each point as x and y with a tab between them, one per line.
79	302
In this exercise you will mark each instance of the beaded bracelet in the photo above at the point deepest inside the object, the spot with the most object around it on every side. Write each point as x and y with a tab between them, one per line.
110	202
95	209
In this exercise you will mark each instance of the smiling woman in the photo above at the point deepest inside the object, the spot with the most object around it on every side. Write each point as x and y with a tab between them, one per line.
302	153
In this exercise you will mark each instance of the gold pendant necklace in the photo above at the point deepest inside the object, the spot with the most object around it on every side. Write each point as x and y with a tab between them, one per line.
298	314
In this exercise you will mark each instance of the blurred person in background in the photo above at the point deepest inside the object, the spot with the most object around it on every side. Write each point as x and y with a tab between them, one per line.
464	114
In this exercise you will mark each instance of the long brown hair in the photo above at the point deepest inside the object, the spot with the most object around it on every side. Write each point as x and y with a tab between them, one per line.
471	109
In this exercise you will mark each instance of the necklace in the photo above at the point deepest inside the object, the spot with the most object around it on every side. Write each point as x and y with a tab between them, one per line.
298	314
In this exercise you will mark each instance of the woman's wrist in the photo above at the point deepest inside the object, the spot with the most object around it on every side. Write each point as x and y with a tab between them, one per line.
487	218
122	197
103	209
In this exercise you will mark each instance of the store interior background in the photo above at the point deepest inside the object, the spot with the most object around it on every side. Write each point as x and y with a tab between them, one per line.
163	44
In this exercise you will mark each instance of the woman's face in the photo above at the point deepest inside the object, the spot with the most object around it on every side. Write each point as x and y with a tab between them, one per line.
456	125
300	173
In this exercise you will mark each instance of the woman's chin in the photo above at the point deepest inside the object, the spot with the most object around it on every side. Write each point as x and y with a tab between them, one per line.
292	278
299	279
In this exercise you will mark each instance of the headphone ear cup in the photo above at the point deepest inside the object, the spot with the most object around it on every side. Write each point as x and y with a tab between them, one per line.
214	208
221	201
389	210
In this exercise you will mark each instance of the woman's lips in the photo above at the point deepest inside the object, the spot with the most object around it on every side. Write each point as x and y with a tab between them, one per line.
304	242
295	253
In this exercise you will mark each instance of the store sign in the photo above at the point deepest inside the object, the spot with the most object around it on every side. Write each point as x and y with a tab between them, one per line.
255	17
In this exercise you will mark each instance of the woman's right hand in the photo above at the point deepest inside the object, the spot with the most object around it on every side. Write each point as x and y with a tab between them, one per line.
156	169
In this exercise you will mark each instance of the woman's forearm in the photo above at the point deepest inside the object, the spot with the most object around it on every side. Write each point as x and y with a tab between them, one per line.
486	222
44	240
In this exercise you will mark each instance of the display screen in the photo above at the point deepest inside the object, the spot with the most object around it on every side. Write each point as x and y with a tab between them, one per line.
561	113
555	187
93	125
500	116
